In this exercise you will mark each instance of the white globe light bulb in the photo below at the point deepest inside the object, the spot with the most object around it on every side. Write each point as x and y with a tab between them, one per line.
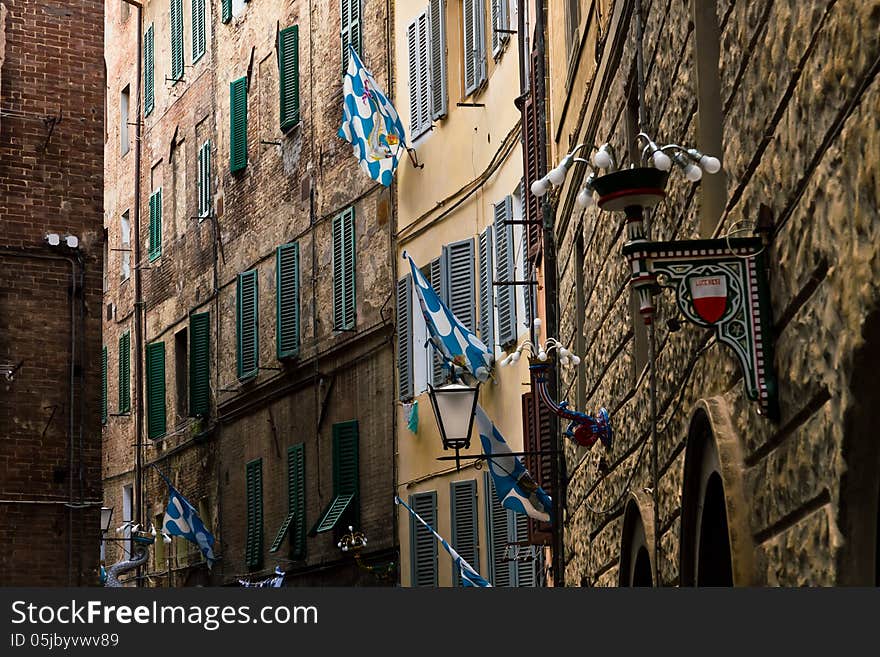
693	172
662	161
537	322
710	164
564	352
584	198
563	361
576	360
602	159
515	357
542	356
557	175
540	187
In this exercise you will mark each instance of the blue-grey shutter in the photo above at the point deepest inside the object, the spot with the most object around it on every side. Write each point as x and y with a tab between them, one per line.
350	28
500	21
417	34
487	296
460	282
464	524
436	279
528	291
501	571
437	46
423	544
505	295
526	571
474	45
404	337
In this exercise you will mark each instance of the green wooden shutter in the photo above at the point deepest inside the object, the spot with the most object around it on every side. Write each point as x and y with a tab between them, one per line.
226	11
125	372
501	571
287	300
155	249
238	124
156	390
204	180
487	290
296	499
254	492
176	39
200	364
248	325
505	295
198	29
463	496
104	385
288	65
423	544
345	458
344	263
149	71
405	337
350	28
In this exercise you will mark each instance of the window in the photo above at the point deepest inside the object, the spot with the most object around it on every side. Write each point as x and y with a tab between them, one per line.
500	22
104	385
127	517
181	373
505	528
423	545
124	98
487	290
287	300
155	249
176	40
474	45
350	28
288	73
125	232
203	181
438	59
345	478
125	373
199	364
149	71
505	257
404	337
417	34
254	497
124	10
464	524
155	390
248	325
344	263
295	522
198	29
238	124
225	11
572	23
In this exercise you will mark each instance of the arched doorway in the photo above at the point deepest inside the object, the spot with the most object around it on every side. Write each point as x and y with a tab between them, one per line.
636	544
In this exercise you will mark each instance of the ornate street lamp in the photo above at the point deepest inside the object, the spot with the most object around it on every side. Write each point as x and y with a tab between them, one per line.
106	519
454	406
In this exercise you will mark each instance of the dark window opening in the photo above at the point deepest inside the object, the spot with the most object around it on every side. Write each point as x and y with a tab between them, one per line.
641	575
714	565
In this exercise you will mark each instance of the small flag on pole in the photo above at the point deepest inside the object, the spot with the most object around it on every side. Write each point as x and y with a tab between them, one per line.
370	123
182	519
469	576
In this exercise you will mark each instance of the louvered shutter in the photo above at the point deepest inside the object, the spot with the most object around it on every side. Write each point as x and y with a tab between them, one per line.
417	34
474	45
248	325
528	291
238	124
204	179
526	571
487	291
350	13
536	429
460	282
287	300
176	39
225	11
345	464
149	71
288	64
405	337
155	357
104	385
464	524
497	535
198	29
437	280
505	295
423	545
125	372
500	21
296	499
344	263
532	165
200	364
155	249
437	47
254	496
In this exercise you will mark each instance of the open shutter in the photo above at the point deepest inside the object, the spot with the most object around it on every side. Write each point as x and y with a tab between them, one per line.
470	45
254	493
532	164
225	11
204	179
505	295
539	444
176	39
350	28
149	71
417	34
464	524
500	21
238	124
439	103
288	64
344	263
460	282
497	521
155	249
248	325
198	29
346	484
436	278
125	372
423	544
200	364
104	385
287	300
405	337
155	390
487	291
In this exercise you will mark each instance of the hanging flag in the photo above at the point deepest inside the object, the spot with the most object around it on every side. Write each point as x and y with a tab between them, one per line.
514	485
453	341
370	123
182	519
469	576
275	582
411	413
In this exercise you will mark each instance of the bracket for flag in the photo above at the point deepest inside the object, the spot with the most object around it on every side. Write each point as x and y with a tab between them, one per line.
414	158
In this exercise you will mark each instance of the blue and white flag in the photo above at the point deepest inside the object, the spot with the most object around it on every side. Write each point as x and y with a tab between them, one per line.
182	519
454	342
275	582
514	486
469	576
370	123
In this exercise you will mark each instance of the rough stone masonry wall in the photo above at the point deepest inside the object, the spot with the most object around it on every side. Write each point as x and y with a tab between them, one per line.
799	92
48	459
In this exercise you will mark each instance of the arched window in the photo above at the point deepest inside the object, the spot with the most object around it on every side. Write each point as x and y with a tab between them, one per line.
635	550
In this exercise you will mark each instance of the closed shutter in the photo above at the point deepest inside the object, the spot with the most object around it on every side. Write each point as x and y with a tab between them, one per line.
405	337
200	364
238	124
155	249
287	300
474	45
176	39
344	262
437	55
345	458
487	291
350	28
254	494
505	295
225	11
527	571
464	524
204	180
437	280
460	282
501	571
527	290
248	325
288	65
296	499
536	429
500	21
149	71
417	34
423	544
532	166
125	372
155	390
104	385
198	29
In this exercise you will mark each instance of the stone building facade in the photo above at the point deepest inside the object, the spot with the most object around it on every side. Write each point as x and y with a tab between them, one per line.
50	294
785	94
271	294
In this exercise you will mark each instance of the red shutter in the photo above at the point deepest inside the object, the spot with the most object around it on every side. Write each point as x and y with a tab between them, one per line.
536	429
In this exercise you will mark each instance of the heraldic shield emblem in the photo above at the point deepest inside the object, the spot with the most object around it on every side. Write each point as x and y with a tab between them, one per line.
709	294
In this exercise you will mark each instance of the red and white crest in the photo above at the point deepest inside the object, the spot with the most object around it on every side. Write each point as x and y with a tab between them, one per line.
710	296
